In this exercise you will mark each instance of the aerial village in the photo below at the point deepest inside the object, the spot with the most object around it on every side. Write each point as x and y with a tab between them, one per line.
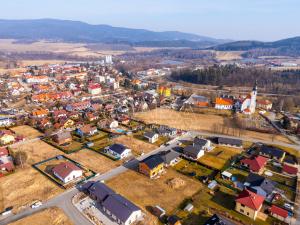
94	130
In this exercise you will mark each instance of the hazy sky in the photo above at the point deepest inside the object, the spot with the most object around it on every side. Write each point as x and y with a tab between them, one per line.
234	19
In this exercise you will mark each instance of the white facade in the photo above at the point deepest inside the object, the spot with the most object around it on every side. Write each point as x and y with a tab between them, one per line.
71	176
113	124
126	153
218	106
94	91
5	122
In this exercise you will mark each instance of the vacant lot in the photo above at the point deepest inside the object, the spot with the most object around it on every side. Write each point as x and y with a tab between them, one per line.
37	151
137	146
198	122
27	131
51	216
25	186
219	157
94	161
146	192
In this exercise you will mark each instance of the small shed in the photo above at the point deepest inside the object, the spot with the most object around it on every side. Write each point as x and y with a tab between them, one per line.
189	207
226	175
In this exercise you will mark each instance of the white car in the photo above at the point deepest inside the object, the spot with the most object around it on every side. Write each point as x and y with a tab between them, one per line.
288	206
36	205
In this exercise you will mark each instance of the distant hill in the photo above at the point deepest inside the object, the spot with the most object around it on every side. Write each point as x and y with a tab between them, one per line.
79	32
289	47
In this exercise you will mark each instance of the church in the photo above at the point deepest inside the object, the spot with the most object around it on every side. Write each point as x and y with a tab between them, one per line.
249	103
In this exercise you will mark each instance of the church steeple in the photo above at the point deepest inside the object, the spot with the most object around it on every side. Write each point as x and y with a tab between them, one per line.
255	86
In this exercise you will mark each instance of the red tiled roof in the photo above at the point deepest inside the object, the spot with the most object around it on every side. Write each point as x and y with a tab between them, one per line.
65	168
256	163
3	151
279	211
224	101
289	169
250	199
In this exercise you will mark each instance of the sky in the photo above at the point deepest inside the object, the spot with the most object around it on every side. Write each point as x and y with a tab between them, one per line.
265	20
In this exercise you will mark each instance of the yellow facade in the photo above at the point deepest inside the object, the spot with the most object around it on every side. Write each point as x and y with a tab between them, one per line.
144	169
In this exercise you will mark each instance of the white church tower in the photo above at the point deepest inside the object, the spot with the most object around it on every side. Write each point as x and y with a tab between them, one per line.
253	98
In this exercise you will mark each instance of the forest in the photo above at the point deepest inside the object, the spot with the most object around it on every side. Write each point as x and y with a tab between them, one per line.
277	82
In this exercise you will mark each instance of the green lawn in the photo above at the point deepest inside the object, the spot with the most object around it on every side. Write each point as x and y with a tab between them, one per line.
73	146
241	175
100	144
221	202
97	136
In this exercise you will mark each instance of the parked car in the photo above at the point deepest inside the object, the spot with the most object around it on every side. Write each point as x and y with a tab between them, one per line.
288	206
36	205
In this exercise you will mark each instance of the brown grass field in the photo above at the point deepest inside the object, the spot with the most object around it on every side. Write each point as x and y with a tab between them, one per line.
37	151
137	146
146	192
94	161
28	185
219	156
26	131
51	216
197	122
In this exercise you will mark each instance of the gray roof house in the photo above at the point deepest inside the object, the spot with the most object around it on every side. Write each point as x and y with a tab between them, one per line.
193	152
259	184
99	191
170	157
121	210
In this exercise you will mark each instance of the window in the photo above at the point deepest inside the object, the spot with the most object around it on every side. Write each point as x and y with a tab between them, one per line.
247	214
242	205
241	210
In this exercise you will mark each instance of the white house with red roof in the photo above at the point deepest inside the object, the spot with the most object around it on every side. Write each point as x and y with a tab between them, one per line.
249	204
256	164
290	170
67	171
94	89
279	213
264	104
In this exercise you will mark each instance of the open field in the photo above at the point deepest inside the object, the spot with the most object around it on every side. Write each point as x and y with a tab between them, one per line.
198	122
37	151
94	161
146	192
51	216
219	157
27	131
28	185
137	146
228	55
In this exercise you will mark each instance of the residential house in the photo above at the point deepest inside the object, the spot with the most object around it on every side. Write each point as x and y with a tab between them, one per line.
6	161
264	104
166	131
40	113
67	172
193	152
224	103
256	164
94	89
259	185
230	142
6	122
279	213
170	157
62	138
121	210
289	170
118	151
99	192
217	220
151	166
151	136
272	152
91	116
6	137
59	113
249	203
197	101
202	143
173	220
86	130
